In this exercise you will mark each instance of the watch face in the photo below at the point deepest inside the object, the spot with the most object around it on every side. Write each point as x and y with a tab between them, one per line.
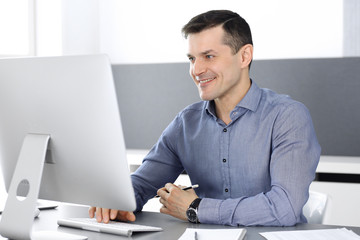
191	215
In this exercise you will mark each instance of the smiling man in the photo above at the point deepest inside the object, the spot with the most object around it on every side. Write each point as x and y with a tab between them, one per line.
252	151
219	73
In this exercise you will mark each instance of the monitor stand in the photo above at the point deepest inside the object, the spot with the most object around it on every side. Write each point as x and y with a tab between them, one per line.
18	216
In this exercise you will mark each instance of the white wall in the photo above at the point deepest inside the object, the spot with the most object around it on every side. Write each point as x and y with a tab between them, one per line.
351	28
281	28
16	22
142	31
48	28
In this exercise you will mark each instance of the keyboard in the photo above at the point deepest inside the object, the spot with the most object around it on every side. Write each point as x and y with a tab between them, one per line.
113	227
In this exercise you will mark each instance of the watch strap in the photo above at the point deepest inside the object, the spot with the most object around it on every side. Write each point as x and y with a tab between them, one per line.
195	204
192	211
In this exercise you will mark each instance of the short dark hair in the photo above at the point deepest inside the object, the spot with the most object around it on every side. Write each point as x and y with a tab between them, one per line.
237	30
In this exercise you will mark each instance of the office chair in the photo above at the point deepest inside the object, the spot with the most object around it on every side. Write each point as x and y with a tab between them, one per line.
314	209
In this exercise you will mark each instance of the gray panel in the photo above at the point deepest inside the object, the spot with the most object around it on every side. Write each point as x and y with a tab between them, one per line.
150	96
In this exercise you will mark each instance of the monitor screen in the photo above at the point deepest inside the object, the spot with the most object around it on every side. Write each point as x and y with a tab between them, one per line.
71	99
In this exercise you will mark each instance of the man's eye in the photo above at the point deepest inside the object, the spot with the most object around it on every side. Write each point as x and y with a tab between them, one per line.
209	56
191	59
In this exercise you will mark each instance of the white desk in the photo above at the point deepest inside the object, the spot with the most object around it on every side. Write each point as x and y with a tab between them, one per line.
173	228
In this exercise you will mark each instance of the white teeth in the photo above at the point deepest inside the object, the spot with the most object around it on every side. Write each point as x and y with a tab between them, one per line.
208	80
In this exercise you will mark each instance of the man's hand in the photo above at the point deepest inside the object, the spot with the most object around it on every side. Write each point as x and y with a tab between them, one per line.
175	201
105	215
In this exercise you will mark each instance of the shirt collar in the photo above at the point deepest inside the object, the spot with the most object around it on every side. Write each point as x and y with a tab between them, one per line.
250	101
252	98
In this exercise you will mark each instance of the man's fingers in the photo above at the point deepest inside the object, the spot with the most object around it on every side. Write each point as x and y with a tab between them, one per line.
92	212
102	215
162	192
169	187
163	201
113	214
125	216
164	210
105	215
131	216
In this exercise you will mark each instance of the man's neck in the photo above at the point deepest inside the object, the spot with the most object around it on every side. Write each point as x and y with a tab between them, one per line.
224	106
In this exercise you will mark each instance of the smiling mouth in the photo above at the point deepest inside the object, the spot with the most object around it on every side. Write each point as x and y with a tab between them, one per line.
206	80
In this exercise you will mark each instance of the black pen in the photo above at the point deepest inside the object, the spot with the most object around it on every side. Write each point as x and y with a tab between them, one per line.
186	188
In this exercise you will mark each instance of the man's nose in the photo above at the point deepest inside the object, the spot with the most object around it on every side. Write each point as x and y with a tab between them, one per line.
198	68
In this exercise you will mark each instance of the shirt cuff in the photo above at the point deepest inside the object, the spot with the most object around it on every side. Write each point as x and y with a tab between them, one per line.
208	211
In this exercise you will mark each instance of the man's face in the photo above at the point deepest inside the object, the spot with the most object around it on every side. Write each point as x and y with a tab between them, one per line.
215	70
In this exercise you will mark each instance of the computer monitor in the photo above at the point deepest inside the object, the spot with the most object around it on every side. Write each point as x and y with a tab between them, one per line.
65	108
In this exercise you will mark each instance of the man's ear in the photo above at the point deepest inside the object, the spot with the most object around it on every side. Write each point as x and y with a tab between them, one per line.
246	54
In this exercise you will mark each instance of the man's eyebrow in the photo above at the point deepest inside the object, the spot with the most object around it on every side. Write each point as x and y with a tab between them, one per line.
206	52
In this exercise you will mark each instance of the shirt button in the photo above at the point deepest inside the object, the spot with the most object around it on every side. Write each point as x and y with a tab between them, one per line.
224	160
224	130
226	190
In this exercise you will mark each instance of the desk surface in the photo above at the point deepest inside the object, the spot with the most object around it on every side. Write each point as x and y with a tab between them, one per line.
173	228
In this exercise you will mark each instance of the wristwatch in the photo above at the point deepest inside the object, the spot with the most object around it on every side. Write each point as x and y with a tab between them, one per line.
191	212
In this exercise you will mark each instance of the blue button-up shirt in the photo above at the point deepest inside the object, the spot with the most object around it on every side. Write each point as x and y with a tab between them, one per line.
254	171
